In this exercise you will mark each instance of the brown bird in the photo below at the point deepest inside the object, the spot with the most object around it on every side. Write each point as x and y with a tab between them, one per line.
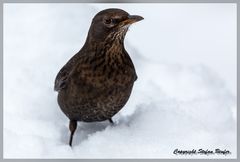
96	82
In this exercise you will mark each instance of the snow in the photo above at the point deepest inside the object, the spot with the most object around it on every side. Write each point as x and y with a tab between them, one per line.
184	98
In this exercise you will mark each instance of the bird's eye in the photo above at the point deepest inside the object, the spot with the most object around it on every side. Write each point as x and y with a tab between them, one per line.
111	21
108	21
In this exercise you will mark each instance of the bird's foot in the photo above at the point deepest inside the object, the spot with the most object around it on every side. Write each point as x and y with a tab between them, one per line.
72	128
110	120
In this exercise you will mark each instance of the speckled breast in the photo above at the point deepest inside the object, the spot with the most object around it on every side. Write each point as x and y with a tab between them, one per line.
96	102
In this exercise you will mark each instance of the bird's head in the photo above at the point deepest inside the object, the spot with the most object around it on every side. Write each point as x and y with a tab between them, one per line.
111	23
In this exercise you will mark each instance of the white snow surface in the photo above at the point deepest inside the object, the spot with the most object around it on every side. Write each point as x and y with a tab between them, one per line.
184	98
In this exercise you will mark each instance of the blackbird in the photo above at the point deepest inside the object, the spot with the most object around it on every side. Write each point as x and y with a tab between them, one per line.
96	82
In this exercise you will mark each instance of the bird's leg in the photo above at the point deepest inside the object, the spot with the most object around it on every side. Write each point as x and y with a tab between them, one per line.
110	120
72	128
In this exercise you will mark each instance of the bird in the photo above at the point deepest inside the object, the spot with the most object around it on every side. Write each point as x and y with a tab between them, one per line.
96	83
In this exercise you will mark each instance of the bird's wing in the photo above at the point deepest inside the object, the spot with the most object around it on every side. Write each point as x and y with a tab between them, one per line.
61	79
63	75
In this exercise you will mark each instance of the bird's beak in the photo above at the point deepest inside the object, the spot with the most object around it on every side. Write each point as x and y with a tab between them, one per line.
132	19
